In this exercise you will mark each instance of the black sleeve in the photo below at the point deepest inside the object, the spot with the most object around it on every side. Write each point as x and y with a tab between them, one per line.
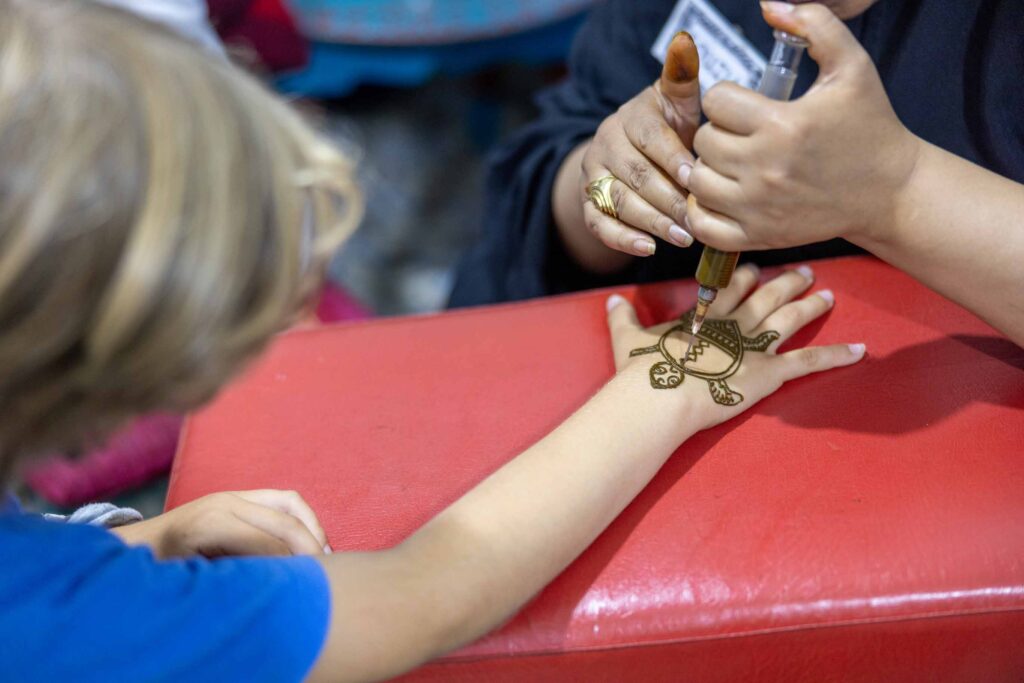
520	254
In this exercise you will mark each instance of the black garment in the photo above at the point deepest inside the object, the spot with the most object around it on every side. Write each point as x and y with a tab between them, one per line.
953	69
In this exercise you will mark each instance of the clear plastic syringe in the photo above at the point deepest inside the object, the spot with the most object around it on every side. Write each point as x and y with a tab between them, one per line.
716	266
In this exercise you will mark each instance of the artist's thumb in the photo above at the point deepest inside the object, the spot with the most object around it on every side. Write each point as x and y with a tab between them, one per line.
832	45
679	87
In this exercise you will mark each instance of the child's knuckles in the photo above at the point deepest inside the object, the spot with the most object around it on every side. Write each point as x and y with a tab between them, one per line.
811	358
787	318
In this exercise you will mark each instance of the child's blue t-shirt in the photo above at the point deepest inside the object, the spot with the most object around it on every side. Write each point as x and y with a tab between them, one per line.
77	604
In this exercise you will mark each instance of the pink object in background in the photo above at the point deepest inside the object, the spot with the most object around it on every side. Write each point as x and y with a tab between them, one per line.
265	26
131	458
337	305
144	449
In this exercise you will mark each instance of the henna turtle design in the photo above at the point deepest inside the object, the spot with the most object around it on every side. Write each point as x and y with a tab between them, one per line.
723	335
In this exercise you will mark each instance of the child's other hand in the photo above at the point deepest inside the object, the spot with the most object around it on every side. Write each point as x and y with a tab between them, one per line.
765	320
263	522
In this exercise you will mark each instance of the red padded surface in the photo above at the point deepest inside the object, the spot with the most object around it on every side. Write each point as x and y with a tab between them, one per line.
863	523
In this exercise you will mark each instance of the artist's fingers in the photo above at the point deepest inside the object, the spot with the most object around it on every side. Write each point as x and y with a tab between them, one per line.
720	150
743	280
634	211
713	228
737	109
281	525
772	295
792	317
818	358
616	235
638	178
291	503
714	191
623	326
832	45
650	134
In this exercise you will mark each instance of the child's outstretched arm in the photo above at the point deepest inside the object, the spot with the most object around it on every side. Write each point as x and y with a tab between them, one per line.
476	563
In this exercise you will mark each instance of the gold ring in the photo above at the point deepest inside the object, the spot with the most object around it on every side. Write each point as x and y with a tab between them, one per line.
598	192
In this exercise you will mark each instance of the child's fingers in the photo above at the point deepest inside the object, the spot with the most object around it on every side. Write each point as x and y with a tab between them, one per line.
811	359
623	325
238	537
792	317
293	504
281	525
743	280
771	296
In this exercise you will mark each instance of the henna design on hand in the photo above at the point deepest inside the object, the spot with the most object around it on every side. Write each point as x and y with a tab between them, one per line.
723	335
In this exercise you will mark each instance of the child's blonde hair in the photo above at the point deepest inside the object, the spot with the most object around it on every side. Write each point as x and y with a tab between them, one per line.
161	216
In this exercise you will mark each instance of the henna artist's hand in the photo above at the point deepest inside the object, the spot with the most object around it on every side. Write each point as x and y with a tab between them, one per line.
833	163
734	361
262	522
646	146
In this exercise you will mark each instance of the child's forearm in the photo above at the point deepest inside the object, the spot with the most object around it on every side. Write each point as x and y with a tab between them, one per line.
479	561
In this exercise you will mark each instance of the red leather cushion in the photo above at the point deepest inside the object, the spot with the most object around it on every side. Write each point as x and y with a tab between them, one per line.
863	524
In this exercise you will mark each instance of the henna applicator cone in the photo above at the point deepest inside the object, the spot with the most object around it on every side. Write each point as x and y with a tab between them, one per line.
679	79
716	266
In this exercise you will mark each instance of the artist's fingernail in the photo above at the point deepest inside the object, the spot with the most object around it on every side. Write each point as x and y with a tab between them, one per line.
753	268
327	549
828	296
684	174
777	7
858	350
806	272
643	247
679	237
613	301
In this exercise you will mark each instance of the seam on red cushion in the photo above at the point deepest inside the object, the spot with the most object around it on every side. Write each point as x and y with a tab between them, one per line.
739	634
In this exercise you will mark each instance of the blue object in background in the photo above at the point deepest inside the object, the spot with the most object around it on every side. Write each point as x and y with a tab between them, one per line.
425	22
336	69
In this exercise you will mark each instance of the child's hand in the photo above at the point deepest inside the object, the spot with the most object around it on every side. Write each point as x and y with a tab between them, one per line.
264	522
733	363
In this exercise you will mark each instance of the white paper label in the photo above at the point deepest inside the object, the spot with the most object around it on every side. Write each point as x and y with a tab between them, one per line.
725	55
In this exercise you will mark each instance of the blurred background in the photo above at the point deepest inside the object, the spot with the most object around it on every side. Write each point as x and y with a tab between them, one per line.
418	91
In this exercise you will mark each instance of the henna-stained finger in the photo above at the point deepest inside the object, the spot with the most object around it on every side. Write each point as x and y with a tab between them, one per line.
616	235
772	295
792	317
743	281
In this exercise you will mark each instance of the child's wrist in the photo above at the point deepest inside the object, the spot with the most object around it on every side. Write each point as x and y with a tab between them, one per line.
672	412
